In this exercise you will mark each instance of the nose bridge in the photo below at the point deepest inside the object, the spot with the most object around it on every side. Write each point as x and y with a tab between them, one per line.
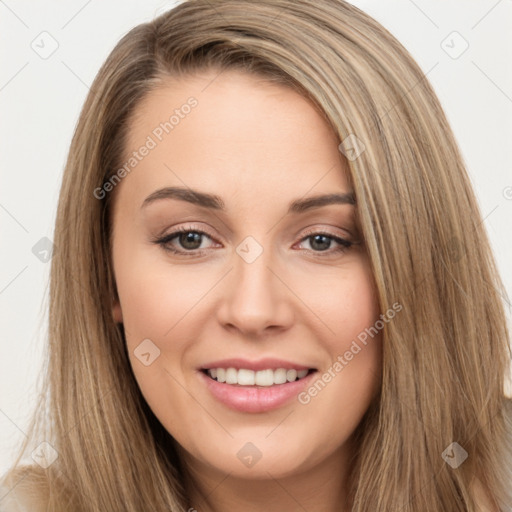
254	299
252	278
251	272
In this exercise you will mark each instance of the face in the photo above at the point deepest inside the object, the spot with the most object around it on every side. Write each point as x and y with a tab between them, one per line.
237	256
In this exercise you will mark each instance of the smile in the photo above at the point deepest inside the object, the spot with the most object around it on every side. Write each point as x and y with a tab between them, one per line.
267	377
255	386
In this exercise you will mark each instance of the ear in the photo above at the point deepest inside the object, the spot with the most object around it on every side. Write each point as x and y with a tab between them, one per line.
117	312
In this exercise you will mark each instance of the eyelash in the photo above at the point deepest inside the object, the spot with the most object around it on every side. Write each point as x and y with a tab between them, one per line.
343	245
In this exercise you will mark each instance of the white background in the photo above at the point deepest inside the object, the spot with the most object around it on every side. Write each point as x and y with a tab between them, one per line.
40	100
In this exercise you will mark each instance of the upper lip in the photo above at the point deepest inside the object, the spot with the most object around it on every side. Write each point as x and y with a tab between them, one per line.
261	364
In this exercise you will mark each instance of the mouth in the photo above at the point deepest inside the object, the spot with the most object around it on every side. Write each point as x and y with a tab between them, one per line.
268	377
255	386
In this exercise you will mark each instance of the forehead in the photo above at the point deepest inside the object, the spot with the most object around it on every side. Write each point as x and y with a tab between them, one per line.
234	134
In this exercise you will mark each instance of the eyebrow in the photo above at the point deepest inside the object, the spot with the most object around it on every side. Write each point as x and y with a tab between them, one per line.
214	202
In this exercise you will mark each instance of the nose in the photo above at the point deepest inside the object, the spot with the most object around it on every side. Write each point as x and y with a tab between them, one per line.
255	299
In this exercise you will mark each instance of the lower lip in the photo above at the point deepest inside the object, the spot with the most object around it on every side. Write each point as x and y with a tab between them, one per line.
255	399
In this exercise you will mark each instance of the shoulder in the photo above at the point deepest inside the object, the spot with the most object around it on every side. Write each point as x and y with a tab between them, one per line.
23	490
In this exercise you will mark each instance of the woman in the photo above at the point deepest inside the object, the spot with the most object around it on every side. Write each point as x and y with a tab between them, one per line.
271	287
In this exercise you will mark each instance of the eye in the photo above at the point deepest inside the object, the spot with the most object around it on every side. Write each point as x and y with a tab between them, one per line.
323	242
185	240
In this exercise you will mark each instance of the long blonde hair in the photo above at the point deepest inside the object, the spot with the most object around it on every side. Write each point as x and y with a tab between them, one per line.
445	357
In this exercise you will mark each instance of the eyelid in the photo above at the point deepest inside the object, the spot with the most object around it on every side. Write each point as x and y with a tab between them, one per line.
324	231
165	239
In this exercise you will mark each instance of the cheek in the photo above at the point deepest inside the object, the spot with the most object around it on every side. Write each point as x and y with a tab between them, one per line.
346	303
156	296
338	399
349	309
162	303
157	304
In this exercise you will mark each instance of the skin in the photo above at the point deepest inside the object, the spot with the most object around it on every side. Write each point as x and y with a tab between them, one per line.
259	147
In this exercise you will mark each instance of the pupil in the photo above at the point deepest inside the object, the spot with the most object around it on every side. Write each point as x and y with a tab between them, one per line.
321	242
190	240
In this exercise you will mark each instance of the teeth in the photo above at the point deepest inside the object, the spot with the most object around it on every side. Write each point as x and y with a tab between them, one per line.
244	377
291	375
300	374
264	378
279	376
231	376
